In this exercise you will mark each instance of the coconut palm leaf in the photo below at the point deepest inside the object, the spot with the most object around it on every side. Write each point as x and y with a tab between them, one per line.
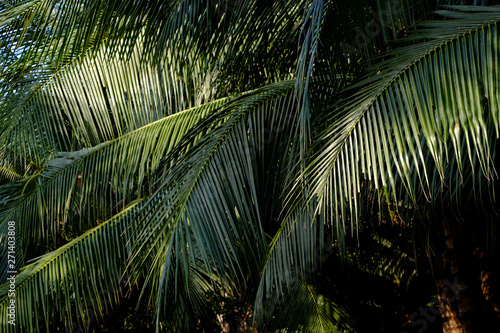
233	196
60	30
406	124
210	204
95	94
208	200
92	100
391	125
83	185
80	279
8	173
14	167
309	312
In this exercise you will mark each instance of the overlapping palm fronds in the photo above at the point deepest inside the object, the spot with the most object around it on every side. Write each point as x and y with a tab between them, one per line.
417	123
207	151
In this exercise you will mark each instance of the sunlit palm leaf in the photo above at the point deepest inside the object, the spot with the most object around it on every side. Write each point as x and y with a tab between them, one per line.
208	206
423	105
310	311
83	275
83	185
404	124
94	99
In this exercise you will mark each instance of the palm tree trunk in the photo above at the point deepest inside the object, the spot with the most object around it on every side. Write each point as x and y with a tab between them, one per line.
449	311
239	319
488	286
458	285
446	268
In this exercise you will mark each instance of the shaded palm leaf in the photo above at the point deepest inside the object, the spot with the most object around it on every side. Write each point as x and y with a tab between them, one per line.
404	124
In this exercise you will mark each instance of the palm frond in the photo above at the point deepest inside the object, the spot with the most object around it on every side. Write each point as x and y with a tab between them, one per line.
311	31
60	30
310	311
76	281
93	99
292	256
419	112
297	306
207	208
401	124
85	184
9	173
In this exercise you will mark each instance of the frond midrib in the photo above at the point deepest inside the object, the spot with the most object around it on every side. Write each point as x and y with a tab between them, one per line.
98	148
398	75
6	170
224	137
67	247
55	74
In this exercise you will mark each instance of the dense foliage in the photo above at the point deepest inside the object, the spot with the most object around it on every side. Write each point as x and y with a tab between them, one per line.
308	165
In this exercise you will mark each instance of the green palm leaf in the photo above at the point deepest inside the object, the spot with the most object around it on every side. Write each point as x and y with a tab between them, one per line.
54	196
84	275
309	312
389	127
105	103
207	207
404	124
94	99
